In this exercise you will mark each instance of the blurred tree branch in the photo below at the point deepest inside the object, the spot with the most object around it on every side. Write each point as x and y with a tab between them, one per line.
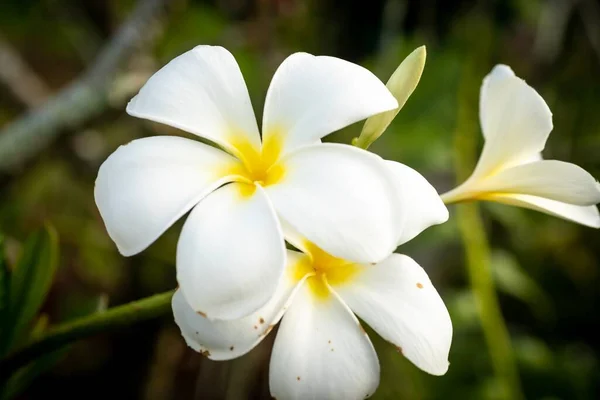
25	84
84	98
590	15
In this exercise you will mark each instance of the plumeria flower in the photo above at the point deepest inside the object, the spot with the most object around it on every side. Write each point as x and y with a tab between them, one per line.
516	122
321	351
231	252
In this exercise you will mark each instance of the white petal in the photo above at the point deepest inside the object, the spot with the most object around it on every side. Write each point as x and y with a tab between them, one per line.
489	101
202	92
310	97
515	119
584	215
397	299
231	254
148	184
422	205
555	180
224	340
321	352
340	198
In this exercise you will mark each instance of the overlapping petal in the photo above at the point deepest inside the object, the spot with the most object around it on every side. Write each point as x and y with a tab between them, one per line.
422	206
231	254
321	352
515	119
341	198
310	97
146	185
397	299
551	179
224	340
585	215
203	92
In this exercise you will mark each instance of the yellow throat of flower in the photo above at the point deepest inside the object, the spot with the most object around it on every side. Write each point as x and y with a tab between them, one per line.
324	269
260	167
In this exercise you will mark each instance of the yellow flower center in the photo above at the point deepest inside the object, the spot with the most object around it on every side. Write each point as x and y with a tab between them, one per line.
324	269
258	167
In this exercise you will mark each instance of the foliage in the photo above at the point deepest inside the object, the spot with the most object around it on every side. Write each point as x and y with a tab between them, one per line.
547	270
23	290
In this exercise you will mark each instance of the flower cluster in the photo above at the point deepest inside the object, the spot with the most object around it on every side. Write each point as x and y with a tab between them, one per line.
286	228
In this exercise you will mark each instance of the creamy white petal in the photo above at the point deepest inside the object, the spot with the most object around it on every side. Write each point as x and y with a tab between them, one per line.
552	179
340	198
203	92
584	215
148	184
321	352
231	254
489	101
422	206
310	97
515	119
396	298
224	340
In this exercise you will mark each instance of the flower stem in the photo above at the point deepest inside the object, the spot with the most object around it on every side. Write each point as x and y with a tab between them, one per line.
61	335
480	276
476	244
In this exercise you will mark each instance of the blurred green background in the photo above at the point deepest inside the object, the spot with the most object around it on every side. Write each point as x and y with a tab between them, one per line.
547	270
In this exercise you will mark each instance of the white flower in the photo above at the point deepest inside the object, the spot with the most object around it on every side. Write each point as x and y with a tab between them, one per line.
516	122
231	254
321	351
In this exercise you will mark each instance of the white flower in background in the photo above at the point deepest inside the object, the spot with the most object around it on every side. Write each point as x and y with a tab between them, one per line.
516	122
321	351
231	252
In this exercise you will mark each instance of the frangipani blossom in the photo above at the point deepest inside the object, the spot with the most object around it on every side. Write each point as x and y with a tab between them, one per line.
516	123
231	252
321	351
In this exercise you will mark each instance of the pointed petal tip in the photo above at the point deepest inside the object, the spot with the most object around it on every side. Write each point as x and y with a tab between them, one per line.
502	70
438	370
421	52
444	215
594	221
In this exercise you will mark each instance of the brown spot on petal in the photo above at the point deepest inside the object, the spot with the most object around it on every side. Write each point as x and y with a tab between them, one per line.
255	327
419	285
231	348
261	320
329	341
203	314
362	329
399	349
297	378
205	353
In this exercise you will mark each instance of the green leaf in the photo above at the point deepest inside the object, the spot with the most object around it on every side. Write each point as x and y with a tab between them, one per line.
29	285
402	83
21	379
513	280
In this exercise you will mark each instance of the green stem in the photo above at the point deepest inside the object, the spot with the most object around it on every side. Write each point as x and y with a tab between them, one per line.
61	335
480	276
475	240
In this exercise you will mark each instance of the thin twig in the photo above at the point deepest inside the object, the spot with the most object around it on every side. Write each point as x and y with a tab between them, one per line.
81	100
19	78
